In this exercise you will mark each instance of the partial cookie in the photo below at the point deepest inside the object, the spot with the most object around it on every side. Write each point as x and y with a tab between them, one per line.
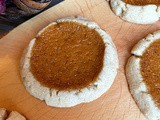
78	65
12	116
137	11
15	116
3	114
142	71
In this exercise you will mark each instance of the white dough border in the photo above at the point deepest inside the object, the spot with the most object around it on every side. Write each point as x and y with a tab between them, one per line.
137	87
146	14
56	98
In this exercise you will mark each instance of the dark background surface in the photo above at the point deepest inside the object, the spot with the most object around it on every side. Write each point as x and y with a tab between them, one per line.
7	26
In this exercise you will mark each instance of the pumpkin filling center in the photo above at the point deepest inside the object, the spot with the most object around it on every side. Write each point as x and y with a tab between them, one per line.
142	2
67	55
150	70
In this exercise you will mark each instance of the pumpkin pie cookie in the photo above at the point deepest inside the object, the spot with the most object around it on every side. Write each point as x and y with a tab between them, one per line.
143	74
137	11
71	61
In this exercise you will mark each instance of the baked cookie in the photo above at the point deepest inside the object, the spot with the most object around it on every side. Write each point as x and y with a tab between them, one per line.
137	11
71	61
3	114
143	75
14	115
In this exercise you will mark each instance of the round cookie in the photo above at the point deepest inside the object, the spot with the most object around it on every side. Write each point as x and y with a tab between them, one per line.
137	11
61	96
142	74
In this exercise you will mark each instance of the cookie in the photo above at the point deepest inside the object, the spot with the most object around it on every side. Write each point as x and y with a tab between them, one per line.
137	11
71	61
142	71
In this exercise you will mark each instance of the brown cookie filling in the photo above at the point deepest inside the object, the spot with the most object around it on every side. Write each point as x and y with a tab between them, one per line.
150	70
142	2
67	55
